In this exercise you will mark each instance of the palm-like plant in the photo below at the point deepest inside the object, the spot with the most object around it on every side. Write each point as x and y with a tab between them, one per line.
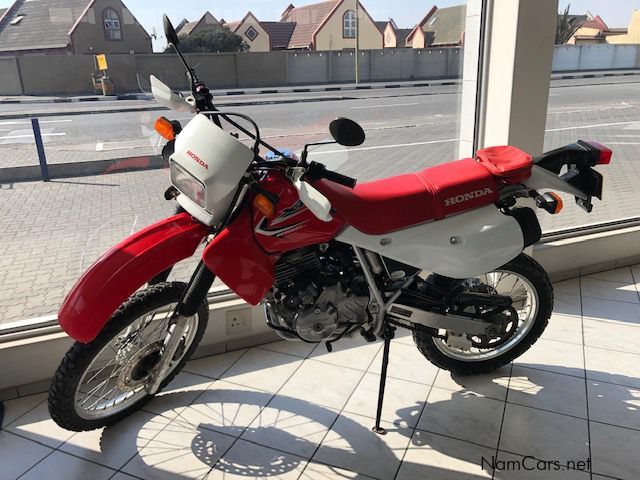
567	26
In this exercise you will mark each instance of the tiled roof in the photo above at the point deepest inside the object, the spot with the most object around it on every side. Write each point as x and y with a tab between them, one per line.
402	34
233	25
381	25
280	33
308	19
45	24
2	10
596	22
448	27
187	28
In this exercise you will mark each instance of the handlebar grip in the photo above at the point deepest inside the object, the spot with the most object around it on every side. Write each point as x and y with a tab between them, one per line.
340	179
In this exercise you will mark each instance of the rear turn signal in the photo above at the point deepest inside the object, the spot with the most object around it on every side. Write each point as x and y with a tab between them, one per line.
165	128
605	153
264	205
551	202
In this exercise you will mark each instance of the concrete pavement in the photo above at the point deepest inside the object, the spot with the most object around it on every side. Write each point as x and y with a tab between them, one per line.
50	233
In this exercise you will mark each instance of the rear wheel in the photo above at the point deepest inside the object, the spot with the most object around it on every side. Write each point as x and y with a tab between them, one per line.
101	382
528	285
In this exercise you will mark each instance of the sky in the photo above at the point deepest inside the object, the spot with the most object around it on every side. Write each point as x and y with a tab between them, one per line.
406	13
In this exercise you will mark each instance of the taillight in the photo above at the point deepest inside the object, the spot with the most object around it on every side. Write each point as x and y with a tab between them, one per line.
605	153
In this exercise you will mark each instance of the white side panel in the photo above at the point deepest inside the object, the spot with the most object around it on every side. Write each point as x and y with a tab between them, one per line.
462	246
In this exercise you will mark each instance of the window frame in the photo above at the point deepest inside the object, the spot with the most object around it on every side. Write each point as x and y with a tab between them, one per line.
352	26
251	28
108	29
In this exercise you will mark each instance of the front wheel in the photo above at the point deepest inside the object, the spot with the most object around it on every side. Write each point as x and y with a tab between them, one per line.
99	383
528	285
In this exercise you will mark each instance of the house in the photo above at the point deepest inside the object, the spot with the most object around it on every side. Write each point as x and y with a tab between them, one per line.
329	25
395	37
441	27
206	22
595	31
71	27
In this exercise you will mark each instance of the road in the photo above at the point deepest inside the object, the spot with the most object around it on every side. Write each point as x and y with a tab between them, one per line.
50	233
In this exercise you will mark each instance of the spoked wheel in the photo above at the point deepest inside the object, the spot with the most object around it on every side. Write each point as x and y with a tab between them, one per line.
101	382
517	329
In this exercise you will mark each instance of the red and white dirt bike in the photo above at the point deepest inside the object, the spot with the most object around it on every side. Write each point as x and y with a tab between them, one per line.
439	252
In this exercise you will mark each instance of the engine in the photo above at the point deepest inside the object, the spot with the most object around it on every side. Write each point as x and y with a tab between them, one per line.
320	292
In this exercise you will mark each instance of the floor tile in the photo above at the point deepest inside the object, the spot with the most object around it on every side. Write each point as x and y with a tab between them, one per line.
18	454
14	409
297	348
613	367
615	451
435	457
37	425
116	445
248	460
555	357
491	385
612	336
622	275
226	408
544	435
262	369
291	425
67	466
567	287
403	400
123	476
179	452
320	471
215	365
565	304
352	445
611	311
564	328
463	415
322	384
406	363
622	292
404	336
354	353
179	394
614	404
515	467
548	391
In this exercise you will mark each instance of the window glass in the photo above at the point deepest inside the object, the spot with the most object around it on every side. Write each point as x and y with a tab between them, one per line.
112	25
108	174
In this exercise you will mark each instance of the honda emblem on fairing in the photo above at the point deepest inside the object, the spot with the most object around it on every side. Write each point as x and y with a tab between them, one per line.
198	159
467	196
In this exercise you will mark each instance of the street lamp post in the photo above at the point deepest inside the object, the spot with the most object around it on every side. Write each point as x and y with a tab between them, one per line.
357	42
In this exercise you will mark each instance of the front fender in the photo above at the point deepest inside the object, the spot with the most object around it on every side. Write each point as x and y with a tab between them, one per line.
125	268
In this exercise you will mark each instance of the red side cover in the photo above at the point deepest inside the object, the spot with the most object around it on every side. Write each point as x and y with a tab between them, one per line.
235	257
123	270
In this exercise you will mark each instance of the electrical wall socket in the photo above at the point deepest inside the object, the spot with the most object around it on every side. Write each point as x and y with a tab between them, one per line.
238	321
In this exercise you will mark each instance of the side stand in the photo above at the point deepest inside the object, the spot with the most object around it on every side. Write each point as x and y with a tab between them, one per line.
388	334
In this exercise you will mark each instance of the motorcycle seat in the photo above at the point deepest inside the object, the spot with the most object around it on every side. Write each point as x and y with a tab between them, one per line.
395	203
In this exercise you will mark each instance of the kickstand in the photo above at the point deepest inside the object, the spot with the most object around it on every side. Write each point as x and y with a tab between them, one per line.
388	334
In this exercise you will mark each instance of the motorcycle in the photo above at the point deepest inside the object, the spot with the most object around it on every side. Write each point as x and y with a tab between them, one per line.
438	252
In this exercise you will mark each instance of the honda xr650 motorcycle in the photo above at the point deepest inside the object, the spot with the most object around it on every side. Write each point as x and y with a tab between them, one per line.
439	252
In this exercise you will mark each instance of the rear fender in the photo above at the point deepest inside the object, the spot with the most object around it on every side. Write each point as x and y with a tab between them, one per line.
125	268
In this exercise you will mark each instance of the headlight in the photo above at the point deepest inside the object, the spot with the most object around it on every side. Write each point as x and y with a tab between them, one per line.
187	184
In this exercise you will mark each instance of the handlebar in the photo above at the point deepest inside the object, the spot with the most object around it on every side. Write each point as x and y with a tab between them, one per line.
317	171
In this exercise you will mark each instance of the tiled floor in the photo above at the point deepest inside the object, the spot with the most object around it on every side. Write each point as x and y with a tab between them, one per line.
292	410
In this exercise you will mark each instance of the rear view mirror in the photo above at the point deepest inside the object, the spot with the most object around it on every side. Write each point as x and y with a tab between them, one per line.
169	31
347	132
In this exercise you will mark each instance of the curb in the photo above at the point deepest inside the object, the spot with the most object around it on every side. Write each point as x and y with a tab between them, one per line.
593	75
32	173
130	96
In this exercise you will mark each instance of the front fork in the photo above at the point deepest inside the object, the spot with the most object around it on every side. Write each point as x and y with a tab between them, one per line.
195	293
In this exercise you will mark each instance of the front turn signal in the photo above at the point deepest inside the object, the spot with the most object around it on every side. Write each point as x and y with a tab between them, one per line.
264	205
165	128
